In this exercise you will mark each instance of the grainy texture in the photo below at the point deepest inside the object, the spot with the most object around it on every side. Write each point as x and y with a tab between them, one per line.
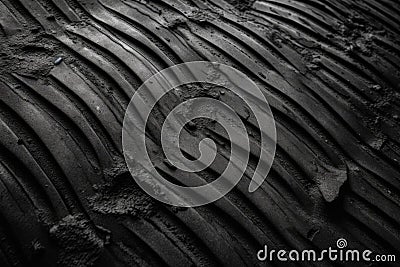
329	69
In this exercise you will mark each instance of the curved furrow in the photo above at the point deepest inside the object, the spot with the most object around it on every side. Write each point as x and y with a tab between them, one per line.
326	120
8	22
371	217
374	12
358	56
296	188
96	104
98	61
39	162
63	6
36	10
235	210
102	15
202	227
275	17
157	30
57	202
224	205
97	139
44	127
140	67
158	243
22	214
184	238
299	14
391	5
228	207
364	185
280	53
216	169
126	254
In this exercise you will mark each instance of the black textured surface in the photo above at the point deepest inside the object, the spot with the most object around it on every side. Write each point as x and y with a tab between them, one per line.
329	69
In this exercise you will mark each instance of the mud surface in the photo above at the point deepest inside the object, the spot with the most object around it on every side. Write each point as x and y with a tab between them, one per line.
68	68
79	243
